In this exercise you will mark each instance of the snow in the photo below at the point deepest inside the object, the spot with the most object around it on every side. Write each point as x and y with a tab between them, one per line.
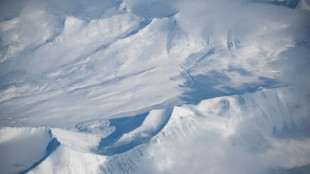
215	131
133	86
70	161
82	142
21	147
304	4
152	124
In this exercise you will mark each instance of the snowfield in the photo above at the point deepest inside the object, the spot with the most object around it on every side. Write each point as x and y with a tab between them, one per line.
263	129
134	86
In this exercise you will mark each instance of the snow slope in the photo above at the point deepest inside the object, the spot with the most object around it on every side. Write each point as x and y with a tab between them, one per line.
257	128
134	86
21	148
91	68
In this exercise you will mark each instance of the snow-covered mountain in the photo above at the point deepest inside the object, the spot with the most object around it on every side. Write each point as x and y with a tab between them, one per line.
155	86
265	129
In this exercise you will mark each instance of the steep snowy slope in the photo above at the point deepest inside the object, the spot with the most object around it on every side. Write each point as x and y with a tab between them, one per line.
262	130
157	86
21	148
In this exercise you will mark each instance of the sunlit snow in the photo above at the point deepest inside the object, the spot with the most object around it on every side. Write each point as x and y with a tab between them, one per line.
155	86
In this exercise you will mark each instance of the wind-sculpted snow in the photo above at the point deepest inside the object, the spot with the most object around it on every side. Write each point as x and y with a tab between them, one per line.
235	132
134	86
199	138
124	139
91	68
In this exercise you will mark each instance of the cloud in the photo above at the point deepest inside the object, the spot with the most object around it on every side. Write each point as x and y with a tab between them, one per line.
239	139
210	153
77	60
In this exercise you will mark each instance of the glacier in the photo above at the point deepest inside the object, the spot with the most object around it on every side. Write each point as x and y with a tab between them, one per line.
133	86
